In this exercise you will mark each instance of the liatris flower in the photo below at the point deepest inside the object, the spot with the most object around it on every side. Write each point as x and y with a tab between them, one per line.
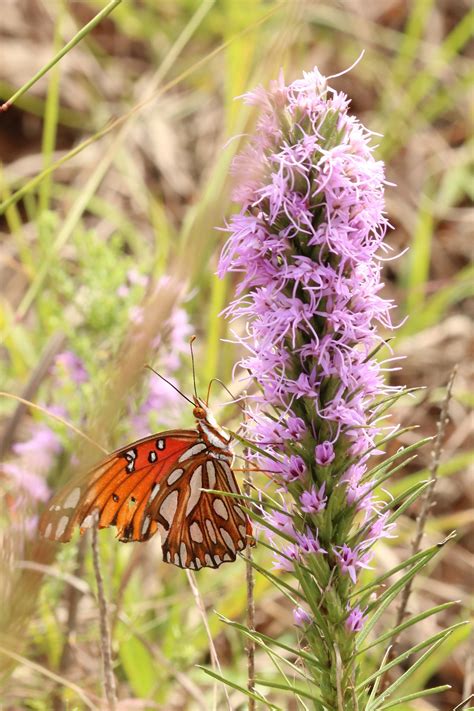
307	243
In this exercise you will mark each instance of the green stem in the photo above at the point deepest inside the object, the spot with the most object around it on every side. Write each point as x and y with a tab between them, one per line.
72	43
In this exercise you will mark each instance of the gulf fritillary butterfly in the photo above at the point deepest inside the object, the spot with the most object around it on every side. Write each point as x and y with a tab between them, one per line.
156	484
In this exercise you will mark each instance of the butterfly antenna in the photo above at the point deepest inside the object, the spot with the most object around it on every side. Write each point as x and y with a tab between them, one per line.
169	383
191	341
218	380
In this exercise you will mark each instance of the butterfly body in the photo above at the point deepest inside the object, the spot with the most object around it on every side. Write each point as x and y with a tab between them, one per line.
158	484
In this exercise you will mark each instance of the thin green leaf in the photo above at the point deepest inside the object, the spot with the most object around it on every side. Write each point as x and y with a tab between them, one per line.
435	640
375	687
420	679
242	689
413	667
268	649
59	55
286	687
283	586
452	466
404	564
270	640
252	446
416	695
408	623
390	594
400	453
391	400
400	504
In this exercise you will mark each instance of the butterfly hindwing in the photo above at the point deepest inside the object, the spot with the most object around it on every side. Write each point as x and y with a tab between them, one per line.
199	528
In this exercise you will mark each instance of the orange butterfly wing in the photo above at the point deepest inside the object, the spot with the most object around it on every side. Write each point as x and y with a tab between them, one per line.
156	484
117	490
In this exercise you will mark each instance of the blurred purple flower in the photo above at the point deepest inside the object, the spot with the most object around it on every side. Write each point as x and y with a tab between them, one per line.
35	457
134	278
73	366
32	483
38	452
162	400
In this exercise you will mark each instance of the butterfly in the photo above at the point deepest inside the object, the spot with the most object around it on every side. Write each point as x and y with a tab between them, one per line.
156	484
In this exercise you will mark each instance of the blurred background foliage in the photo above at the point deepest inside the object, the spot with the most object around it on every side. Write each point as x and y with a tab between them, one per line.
114	176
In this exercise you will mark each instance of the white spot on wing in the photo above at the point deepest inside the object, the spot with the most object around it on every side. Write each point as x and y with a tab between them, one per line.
211	531
154	492
217	559
239	512
208	560
183	553
227	557
130	456
228	539
220	509
192	451
160	443
146	524
230	478
174	476
195	486
198	563
63	522
243	531
168	507
73	498
48	530
176	559
211	474
163	532
196	533
88	521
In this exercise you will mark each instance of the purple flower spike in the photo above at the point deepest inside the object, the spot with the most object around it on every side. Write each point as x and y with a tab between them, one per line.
324	454
307	246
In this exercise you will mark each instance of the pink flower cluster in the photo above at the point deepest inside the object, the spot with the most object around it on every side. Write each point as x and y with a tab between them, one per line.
307	246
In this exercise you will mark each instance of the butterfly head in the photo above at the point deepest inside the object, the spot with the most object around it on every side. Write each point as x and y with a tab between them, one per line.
211	432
